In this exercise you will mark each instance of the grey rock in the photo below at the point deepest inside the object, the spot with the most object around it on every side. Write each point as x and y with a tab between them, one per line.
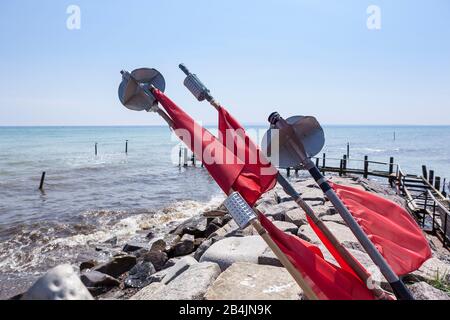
190	285
432	269
296	216
87	264
333	218
117	266
170	241
157	244
95	279
235	249
171	262
157	258
180	267
424	291
269	258
139	275
59	283
286	226
205	245
195	226
135	245
342	233
185	246
247	281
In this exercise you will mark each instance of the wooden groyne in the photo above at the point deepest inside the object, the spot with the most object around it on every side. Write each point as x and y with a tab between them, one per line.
425	199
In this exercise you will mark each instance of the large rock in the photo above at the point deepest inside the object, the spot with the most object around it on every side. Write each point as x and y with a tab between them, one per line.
135	245
269	258
231	229
424	291
185	246
190	285
296	216
181	266
286	226
342	233
247	281
139	275
205	246
59	283
117	266
157	258
97	282
195	226
432	269
235	249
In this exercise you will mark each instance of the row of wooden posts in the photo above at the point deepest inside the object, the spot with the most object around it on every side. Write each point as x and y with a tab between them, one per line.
96	147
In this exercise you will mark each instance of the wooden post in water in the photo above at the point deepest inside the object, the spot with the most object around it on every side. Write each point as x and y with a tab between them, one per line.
317	162
126	147
179	157
444	193
341	167
366	166
41	185
391	165
431	177
348	150
96	148
323	163
424	172
344	163
437	183
288	172
194	162
185	160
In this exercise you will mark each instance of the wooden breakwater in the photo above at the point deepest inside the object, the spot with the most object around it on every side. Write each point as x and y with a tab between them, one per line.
425	195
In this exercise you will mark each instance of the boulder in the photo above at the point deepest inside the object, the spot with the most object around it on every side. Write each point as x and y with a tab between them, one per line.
296	216
334	218
286	226
135	245
231	229
247	281
195	226
432	269
204	246
139	275
235	249
59	283
158	244
424	291
98	282
157	258
185	246
342	233
324	210
87	264
170	241
190	285
180	267
269	258
117	266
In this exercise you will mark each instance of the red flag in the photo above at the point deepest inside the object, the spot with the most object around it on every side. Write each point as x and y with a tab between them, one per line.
328	281
251	151
390	227
226	169
258	172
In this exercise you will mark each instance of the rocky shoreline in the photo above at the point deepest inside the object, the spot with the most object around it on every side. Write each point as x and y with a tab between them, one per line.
209	257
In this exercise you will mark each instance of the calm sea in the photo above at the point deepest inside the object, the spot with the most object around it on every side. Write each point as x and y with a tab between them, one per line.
89	199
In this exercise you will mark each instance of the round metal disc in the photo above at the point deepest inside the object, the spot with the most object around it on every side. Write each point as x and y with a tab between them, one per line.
308	134
133	96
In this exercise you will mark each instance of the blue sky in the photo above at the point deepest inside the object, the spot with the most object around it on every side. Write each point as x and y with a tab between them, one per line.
297	57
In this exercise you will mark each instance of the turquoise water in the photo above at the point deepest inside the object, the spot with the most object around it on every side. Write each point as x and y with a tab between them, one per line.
88	198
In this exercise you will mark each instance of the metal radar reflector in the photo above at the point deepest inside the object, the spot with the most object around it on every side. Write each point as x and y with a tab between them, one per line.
304	130
134	90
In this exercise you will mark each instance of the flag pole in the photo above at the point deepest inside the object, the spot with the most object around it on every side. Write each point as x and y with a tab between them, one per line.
399	288
201	92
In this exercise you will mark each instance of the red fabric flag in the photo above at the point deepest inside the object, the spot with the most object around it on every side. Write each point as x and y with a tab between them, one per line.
328	281
390	227
230	128
225	168
258	172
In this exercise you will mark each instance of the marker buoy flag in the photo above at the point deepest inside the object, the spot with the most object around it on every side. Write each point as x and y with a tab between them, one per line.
390	227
